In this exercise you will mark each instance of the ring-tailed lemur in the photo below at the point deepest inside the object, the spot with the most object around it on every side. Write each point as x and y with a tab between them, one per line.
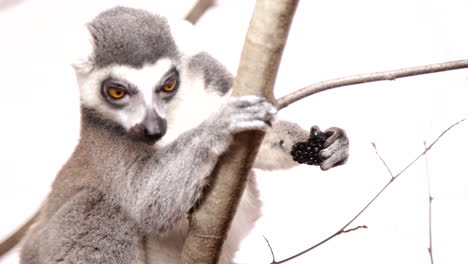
154	122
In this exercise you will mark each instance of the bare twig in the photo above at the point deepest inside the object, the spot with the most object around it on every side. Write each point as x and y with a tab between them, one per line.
338	233
354	229
198	10
271	250
430	250
392	179
369	77
382	160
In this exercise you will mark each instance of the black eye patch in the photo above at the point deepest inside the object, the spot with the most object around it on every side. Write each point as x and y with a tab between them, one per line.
116	91
169	84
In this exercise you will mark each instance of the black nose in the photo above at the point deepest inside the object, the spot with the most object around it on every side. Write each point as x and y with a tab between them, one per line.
152	136
154	127
149	131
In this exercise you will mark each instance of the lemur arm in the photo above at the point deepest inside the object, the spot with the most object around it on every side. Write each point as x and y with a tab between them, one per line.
275	151
158	190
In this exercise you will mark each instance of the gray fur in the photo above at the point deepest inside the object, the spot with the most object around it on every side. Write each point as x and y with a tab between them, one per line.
214	73
120	200
277	144
131	37
75	233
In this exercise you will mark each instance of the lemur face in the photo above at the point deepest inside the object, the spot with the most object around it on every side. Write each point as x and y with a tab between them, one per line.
132	72
135	99
132	76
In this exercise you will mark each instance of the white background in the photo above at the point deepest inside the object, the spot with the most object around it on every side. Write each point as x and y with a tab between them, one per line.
39	121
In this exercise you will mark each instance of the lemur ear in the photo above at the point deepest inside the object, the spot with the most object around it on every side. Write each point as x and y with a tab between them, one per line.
80	50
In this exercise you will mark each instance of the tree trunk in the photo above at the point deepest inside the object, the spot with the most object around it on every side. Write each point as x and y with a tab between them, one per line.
256	75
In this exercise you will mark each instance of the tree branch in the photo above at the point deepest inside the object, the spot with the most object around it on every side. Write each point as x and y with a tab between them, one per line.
198	10
429	249
354	229
256	74
383	161
392	179
369	77
9	243
271	250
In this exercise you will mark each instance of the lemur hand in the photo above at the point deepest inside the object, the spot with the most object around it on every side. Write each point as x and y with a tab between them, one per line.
335	148
245	113
327	149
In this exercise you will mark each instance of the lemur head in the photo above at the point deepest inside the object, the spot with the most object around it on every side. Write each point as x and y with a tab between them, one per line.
131	73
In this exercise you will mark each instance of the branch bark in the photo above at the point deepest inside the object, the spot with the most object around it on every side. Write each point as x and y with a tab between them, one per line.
198	10
263	48
13	240
369	77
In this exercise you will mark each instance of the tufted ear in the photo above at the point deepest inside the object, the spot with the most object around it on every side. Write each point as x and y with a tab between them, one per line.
80	50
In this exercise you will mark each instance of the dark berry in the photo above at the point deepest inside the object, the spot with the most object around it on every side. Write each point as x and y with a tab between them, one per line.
308	152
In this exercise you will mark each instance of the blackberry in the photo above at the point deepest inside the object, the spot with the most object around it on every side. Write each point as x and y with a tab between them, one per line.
308	152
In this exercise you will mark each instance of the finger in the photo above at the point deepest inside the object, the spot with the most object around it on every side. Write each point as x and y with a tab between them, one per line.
249	100
327	152
333	134
314	132
250	125
334	160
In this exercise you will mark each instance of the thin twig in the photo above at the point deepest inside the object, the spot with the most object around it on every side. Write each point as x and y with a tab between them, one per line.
382	160
198	10
392	179
430	250
354	229
369	77
271	249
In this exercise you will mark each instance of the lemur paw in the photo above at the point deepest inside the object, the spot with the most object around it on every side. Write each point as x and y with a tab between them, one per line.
247	113
327	149
335	148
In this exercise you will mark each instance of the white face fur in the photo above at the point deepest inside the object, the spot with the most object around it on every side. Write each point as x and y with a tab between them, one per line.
145	81
190	104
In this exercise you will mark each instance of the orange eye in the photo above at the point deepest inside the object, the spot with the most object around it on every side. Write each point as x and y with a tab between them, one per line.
116	93
169	86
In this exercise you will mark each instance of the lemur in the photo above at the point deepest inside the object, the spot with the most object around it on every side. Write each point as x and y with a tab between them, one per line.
154	121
